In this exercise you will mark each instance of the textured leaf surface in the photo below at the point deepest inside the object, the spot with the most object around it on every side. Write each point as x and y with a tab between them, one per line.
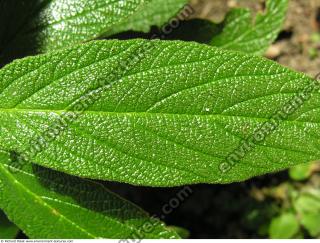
242	33
56	205
7	229
172	118
45	25
155	13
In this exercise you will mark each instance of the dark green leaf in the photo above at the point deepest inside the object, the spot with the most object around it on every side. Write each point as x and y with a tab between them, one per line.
48	204
285	226
301	172
7	229
307	206
44	25
311	221
308	203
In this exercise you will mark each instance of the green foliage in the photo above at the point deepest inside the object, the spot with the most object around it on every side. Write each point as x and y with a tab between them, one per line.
56	205
308	203
274	202
285	226
241	33
155	13
46	25
145	127
7	229
37	29
51	24
299	215
153	113
311	221
307	206
301	172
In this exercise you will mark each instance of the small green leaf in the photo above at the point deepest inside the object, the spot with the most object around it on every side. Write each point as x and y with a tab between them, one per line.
307	203
158	113
48	204
241	33
301	172
7	229
285	226
312	223
307	206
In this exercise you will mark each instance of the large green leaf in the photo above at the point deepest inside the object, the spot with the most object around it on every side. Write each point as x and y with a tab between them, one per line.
45	25
241	33
301	172
155	13
165	113
7	229
48	204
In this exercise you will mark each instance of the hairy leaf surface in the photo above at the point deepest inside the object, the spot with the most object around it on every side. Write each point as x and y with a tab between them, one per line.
155	13
56	205
45	25
241	33
158	113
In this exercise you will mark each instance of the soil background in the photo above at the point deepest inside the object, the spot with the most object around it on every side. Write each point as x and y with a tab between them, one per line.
236	210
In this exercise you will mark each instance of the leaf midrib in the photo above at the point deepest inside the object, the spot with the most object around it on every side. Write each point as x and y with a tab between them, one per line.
143	113
41	199
2	167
